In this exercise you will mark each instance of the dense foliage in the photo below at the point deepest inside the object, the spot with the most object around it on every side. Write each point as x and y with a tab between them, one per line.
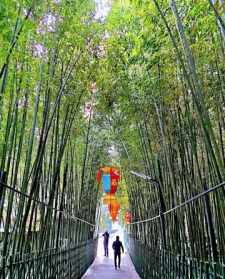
47	156
148	81
162	86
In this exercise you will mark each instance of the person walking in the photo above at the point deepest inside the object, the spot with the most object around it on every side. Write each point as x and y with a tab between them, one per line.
117	247
106	243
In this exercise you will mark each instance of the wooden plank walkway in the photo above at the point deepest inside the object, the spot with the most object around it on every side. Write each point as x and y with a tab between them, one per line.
103	268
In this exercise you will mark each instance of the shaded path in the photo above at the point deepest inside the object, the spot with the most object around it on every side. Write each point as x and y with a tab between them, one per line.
103	268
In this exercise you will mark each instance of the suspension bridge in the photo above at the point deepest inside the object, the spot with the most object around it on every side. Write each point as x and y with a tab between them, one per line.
81	249
112	118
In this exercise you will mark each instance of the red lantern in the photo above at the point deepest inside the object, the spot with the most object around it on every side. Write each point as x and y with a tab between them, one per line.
114	179
114	208
110	177
128	217
115	172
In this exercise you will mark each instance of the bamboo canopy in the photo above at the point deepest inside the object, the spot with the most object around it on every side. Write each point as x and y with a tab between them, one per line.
139	86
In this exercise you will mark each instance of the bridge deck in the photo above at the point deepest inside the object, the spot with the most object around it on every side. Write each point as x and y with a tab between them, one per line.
103	268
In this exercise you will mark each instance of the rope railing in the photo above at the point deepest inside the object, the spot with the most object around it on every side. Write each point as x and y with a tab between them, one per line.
145	177
179	245
159	263
69	262
63	212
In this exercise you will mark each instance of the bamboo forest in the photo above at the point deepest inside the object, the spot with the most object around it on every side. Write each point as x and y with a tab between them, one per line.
112	131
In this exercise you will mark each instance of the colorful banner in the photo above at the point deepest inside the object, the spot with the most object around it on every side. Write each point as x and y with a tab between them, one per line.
128	217
115	172
114	179
106	183
114	208
106	170
108	198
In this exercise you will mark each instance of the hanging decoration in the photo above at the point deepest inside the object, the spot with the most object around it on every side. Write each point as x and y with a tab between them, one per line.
114	179
106	170
108	198
127	217
114	208
110	177
115	172
106	183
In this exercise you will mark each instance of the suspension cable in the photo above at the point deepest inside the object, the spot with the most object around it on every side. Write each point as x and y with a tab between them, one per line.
63	212
180	205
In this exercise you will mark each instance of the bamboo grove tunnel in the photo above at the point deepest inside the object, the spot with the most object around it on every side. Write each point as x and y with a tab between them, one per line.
135	85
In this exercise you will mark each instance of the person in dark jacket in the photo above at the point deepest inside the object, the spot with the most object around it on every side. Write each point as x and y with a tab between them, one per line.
106	243
117	247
